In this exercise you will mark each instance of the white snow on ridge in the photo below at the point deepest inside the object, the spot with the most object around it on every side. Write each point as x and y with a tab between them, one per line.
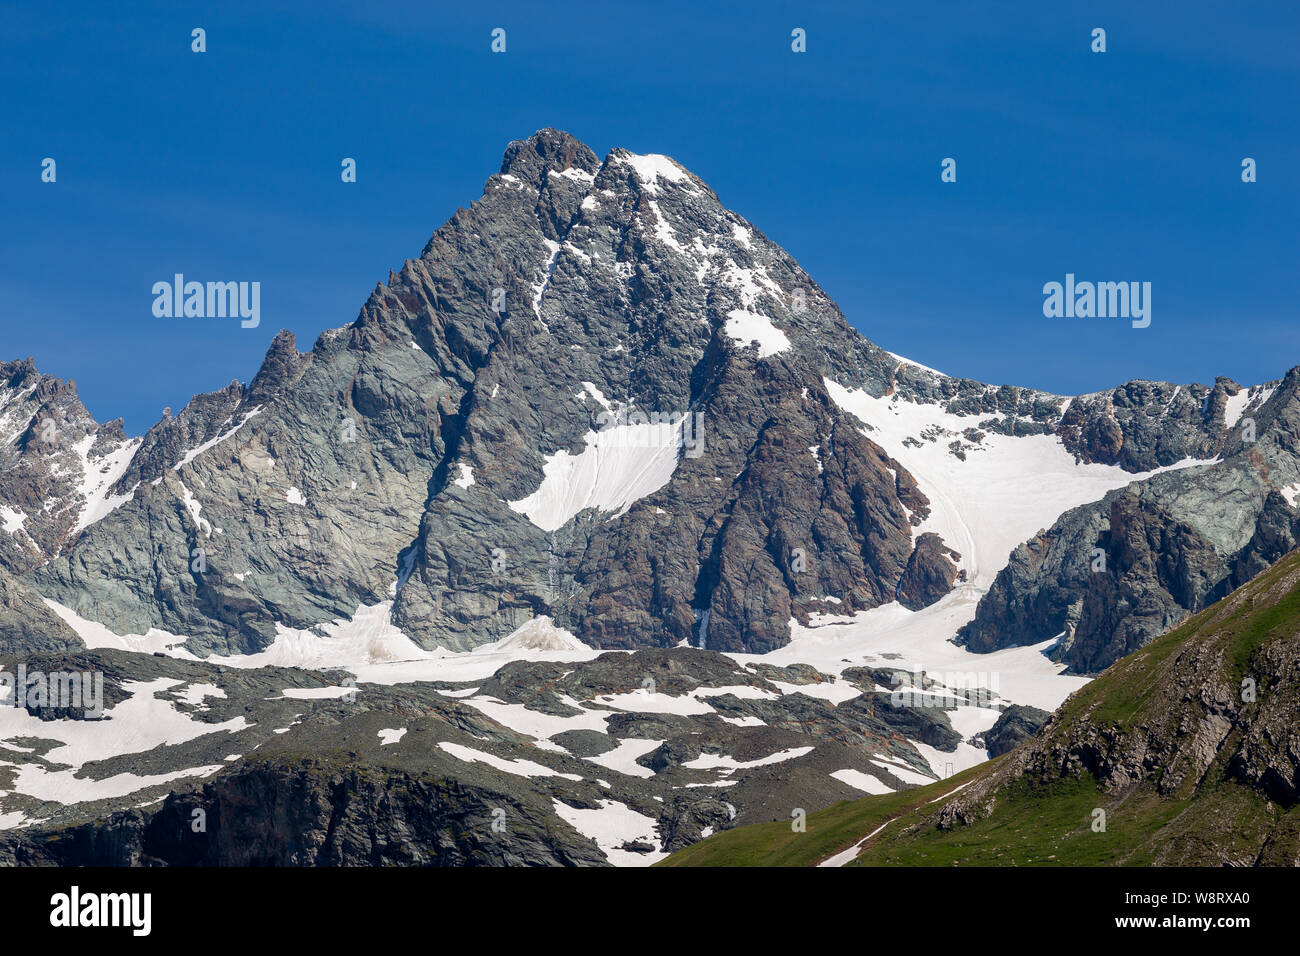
1237	404
664	232
590	388
11	418
618	466
908	361
195	511
574	173
553	250
195	452
750	283
651	167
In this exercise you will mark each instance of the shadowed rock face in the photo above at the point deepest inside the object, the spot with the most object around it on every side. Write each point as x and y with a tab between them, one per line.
481	435
1016	725
273	814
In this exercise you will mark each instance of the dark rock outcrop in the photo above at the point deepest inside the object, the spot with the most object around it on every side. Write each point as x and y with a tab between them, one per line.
1016	725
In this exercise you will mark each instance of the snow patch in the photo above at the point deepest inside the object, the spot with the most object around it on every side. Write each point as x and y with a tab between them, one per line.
1291	493
519	768
612	826
95	635
862	781
195	511
368	638
745	327
314	693
99	476
539	634
137	725
728	763
553	249
12	520
618	467
623	757
575	174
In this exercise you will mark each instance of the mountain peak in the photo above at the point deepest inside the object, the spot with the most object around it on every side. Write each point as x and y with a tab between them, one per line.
281	366
547	150
651	169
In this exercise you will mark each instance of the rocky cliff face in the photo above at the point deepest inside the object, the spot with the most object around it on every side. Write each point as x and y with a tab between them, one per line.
59	465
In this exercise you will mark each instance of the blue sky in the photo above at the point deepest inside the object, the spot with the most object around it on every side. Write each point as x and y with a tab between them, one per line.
1116	166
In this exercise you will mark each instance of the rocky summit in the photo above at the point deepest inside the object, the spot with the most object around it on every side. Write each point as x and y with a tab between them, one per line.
600	412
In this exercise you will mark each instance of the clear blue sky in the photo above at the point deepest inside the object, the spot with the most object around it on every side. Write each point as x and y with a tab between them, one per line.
225	165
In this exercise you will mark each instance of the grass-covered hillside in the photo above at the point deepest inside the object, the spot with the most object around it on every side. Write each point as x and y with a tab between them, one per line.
1186	752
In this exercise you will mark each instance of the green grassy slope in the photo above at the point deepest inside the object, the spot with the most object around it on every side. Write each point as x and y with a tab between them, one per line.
1187	767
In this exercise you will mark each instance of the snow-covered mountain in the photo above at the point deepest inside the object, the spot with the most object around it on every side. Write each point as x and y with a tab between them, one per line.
600	412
